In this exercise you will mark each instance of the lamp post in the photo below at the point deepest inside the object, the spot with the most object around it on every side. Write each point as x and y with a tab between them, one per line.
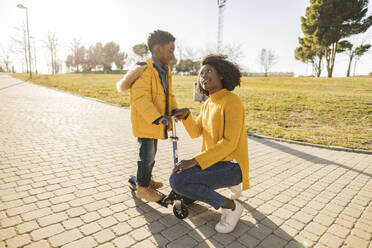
28	37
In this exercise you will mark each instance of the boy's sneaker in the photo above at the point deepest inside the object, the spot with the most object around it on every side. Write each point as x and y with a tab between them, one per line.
229	218
236	191
155	185
148	194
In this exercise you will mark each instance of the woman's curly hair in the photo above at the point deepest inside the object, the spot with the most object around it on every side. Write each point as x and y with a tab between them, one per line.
229	71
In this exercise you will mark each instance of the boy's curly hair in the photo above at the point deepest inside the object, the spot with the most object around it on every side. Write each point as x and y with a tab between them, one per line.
159	37
229	71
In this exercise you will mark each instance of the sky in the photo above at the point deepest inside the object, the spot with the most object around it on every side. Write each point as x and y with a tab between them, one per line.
250	24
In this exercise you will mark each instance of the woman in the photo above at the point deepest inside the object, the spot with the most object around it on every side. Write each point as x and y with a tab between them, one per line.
223	159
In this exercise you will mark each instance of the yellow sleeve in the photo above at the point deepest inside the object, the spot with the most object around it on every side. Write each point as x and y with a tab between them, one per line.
192	126
142	98
233	128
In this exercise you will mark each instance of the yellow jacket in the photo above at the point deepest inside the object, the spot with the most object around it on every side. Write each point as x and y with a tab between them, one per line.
221	123
147	103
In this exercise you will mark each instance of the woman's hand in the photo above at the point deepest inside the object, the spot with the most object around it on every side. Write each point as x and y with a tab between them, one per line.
181	113
184	165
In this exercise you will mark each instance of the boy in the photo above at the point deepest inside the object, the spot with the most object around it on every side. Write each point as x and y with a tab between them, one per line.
151	103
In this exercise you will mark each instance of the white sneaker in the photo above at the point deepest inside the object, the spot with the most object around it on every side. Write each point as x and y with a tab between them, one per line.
229	218
236	191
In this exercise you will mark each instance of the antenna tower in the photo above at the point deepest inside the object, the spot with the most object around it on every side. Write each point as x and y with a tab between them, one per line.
221	8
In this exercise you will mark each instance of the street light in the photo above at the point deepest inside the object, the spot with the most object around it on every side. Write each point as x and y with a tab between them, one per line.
28	36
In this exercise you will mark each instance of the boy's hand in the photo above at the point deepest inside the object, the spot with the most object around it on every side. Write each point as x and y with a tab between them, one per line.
164	120
181	114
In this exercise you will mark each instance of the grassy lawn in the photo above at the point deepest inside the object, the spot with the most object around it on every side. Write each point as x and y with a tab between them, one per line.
335	111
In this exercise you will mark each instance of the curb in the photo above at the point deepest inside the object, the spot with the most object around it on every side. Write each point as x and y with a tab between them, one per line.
334	148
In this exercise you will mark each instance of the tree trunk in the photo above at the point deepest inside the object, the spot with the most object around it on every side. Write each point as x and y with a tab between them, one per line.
349	66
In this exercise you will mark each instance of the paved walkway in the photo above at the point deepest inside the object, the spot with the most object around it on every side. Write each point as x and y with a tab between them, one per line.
65	161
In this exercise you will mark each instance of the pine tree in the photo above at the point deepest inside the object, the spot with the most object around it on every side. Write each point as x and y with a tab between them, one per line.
329	21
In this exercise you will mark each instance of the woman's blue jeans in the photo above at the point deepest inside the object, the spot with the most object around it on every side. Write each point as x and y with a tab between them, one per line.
198	184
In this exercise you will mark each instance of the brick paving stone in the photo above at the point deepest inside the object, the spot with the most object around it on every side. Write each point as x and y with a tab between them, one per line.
52	219
19	241
303	217
90	228
175	231
46	232
140	233
72	223
65	237
89	217
362	234
124	241
104	236
27	227
339	231
6	233
323	219
11	221
38	244
74	212
273	241
107	221
185	241
21	209
331	240
122	228
145	243
86	242
316	228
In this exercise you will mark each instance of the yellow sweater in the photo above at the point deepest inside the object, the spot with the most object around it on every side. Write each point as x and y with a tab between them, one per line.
221	123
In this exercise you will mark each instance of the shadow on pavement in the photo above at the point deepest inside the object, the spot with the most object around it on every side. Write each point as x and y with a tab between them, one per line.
253	230
306	156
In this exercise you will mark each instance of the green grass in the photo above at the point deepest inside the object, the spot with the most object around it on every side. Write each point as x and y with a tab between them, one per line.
328	111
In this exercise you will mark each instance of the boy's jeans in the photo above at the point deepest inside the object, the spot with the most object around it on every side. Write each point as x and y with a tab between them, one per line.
199	184
147	152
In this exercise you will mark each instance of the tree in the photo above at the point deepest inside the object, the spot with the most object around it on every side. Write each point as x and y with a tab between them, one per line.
267	59
352	52
6	53
94	57
119	59
78	53
329	21
52	44
189	66
307	54
234	51
359	52
141	50
21	47
110	50
69	62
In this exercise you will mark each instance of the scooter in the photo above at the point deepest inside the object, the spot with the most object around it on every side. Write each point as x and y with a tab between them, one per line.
179	202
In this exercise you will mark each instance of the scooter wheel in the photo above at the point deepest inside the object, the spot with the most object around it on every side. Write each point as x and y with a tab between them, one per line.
180	211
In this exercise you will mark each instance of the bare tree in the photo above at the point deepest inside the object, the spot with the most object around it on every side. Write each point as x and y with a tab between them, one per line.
20	42
267	59
52	44
6	54
78	53
234	51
